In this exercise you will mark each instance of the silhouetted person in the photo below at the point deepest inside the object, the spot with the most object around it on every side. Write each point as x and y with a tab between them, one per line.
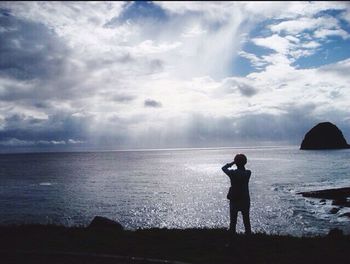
239	192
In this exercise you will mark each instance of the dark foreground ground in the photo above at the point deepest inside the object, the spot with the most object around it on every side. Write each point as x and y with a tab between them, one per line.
57	244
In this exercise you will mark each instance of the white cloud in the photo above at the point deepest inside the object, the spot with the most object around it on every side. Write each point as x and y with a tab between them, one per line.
148	47
346	15
194	31
255	60
65	16
310	45
215	10
340	68
324	33
301	53
291	9
274	42
305	23
298	35
72	141
293	39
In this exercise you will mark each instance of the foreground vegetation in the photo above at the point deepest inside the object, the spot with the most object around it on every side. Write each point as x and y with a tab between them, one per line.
33	244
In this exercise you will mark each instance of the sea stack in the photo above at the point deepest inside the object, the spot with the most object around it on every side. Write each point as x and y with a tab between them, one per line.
324	136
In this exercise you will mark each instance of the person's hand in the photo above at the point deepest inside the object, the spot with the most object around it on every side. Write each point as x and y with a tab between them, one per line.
231	164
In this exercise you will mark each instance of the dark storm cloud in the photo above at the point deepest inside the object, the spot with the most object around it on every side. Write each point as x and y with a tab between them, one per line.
156	65
247	90
29	50
36	66
290	126
232	85
37	74
41	105
55	128
124	122
208	131
98	63
152	103
139	11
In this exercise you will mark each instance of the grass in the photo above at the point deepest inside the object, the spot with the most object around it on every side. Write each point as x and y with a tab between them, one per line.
187	245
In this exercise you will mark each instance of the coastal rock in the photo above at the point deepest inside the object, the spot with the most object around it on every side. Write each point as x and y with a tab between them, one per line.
334	210
100	222
324	136
340	201
339	194
345	215
335	232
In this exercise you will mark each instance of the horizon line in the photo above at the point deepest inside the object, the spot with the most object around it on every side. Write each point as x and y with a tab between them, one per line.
149	149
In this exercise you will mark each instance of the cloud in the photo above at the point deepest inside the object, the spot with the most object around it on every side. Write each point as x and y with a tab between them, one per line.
310	45
305	23
241	85
24	130
216	11
340	68
247	90
152	103
148	47
300	35
255	60
324	33
29	50
292	10
66	19
274	42
76	74
123	98
346	15
14	142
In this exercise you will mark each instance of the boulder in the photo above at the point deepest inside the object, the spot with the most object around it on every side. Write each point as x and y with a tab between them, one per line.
333	194
335	232
345	215
334	210
324	136
340	201
100	222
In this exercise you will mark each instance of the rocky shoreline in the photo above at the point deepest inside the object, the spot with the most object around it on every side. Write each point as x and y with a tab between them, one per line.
339	196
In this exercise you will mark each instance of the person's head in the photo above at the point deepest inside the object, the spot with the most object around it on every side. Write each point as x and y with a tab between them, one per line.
240	160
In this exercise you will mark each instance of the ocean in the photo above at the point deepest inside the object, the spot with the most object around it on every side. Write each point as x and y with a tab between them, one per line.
182	188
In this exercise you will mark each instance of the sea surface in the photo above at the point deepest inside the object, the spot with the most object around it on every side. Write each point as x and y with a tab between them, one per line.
173	188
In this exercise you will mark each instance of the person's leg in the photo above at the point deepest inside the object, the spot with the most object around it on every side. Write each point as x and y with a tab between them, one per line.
233	218
246	221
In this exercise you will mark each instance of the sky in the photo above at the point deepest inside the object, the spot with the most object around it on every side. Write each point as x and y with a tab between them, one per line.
126	75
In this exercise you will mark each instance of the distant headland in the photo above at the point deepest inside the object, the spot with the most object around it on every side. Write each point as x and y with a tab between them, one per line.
324	136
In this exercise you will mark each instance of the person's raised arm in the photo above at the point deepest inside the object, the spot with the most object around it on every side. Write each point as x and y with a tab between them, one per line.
225	168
